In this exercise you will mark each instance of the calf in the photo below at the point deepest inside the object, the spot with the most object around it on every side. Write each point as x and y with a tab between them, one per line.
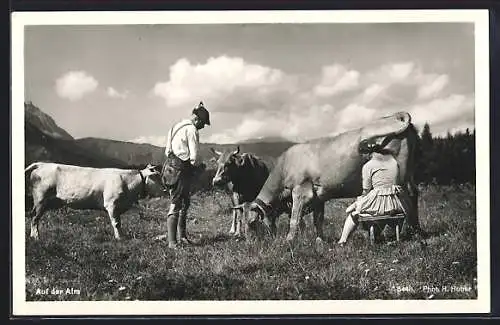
55	185
243	174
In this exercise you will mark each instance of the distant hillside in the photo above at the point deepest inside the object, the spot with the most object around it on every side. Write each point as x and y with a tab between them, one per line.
131	153
267	140
44	122
137	154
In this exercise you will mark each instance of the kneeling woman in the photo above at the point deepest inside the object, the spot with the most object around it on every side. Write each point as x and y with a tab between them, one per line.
382	193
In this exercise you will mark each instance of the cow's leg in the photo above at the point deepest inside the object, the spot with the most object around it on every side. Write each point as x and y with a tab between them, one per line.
301	195
40	205
233	222
270	223
140	209
38	209
319	217
237	233
237	219
235	198
412	216
114	218
302	224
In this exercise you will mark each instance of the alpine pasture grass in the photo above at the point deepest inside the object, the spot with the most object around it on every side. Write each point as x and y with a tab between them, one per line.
78	259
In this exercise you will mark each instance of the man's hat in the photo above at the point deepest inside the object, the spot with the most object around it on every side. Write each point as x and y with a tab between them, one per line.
202	113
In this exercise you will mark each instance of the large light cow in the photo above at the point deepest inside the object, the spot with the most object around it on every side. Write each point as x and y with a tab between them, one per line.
55	185
311	173
243	174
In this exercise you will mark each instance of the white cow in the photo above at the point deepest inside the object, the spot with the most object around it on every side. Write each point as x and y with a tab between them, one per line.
55	185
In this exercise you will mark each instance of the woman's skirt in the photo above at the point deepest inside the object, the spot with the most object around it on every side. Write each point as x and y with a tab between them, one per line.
383	201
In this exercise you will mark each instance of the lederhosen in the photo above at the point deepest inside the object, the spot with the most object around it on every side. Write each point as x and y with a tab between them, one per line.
179	189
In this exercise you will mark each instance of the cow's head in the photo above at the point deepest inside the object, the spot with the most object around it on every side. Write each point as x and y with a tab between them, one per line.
256	221
152	180
228	162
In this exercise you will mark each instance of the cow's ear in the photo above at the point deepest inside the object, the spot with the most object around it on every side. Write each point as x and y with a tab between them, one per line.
215	152
150	172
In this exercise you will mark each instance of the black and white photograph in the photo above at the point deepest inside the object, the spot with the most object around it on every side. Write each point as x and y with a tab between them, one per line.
260	162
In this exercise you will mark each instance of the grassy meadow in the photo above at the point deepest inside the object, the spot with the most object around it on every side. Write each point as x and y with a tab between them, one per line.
77	255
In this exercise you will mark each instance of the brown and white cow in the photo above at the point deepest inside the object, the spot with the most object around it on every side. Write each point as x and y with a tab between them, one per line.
54	185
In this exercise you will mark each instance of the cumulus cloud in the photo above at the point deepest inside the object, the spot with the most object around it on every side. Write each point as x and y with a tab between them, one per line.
373	90
262	101
221	81
74	85
445	109
400	84
113	93
353	116
400	71
297	125
336	79
433	85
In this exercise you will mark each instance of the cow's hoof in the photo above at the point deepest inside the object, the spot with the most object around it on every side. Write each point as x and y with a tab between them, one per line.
161	237
231	232
173	245
185	241
319	241
34	234
290	239
319	244
239	237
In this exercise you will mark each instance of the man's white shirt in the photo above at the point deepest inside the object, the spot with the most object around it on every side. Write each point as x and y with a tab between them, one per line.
185	143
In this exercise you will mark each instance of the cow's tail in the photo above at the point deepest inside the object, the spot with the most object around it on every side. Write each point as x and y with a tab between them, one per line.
28	198
30	168
415	156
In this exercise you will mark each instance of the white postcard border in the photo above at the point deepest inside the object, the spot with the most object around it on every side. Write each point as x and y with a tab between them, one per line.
482	305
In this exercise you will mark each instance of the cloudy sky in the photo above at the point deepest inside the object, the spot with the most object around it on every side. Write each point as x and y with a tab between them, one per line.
298	81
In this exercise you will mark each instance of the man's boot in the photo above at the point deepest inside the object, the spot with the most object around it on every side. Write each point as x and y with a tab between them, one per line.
172	220
181	228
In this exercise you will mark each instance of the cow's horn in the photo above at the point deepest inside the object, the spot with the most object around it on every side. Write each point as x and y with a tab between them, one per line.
237	151
217	153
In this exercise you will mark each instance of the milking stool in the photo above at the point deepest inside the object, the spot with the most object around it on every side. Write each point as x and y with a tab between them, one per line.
369	222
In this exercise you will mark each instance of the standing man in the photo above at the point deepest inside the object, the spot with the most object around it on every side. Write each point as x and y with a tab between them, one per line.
182	151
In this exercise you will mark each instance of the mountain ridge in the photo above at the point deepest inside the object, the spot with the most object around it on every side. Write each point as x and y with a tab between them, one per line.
44	140
44	122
